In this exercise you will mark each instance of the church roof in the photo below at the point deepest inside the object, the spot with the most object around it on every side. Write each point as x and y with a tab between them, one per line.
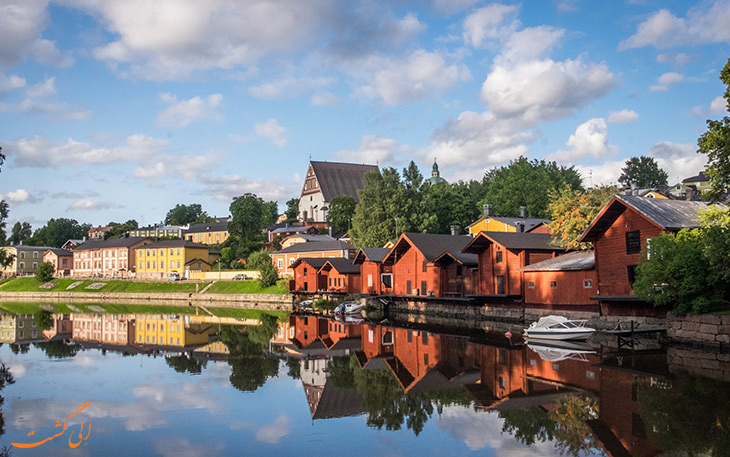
337	178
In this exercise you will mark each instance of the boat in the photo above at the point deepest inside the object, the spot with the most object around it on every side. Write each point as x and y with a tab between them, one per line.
349	307
305	305
559	328
556	350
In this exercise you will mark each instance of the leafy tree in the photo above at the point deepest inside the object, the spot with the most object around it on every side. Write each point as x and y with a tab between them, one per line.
678	273
261	261
715	223
58	231
250	216
184	364
445	205
380	215
251	367
187	214
44	272
43	319
643	172
526	183
6	378
58	349
119	229
292	210
572	211
21	233
341	372
339	216
715	144
295	369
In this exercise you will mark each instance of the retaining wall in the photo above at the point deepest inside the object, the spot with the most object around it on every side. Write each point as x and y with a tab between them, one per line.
706	330
696	362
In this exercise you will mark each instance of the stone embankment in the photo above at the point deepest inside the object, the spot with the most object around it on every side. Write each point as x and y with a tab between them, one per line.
705	330
699	362
244	301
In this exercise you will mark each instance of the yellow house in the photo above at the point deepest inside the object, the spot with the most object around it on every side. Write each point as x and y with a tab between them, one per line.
172	330
491	223
208	233
161	259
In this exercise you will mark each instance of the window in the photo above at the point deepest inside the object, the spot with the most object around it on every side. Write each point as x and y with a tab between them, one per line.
424	286
587	283
200	265
556	367
590	375
304	273
425	359
178	251
35	265
178	264
280	263
22	254
148	265
387	280
531	284
35	254
410	336
502	356
162	251
148	252
291	261
370	280
553	284
458	270
502	382
633	242
498	257
424	338
424	268
22	265
172	251
172	264
631	271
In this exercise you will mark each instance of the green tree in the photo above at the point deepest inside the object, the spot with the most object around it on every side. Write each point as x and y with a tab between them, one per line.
44	272
340	213
572	211
59	349
250	365
43	319
380	215
261	261
445	205
119	229
526	183
250	216
643	172
6	378
292	210
715	144
185	364
21	233
187	214
341	372
58	231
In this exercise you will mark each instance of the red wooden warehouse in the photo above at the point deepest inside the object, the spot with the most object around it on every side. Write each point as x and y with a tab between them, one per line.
376	278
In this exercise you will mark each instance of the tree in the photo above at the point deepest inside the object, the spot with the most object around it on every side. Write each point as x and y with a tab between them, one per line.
292	210
339	216
261	261
572	211
526	183
250	216
185	364
119	229
43	319
21	233
643	172
58	231
44	272
251	367
381	214
715	144
445	205
5	259
187	214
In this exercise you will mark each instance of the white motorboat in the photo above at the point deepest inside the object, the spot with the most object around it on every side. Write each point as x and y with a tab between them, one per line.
556	350
305	305
559	328
349	307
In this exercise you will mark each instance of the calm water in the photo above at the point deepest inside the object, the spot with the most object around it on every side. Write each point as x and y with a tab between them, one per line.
181	386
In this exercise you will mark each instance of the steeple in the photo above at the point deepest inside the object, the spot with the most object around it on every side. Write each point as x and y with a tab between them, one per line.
435	175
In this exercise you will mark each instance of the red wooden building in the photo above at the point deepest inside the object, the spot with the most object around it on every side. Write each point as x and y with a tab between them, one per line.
375	277
569	279
306	275
413	257
342	276
501	256
459	273
620	232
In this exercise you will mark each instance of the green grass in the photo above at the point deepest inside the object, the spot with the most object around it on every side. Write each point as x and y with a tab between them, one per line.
244	287
30	284
246	313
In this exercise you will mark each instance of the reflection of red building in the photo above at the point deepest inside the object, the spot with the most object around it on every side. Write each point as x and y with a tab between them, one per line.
342	276
306	274
375	277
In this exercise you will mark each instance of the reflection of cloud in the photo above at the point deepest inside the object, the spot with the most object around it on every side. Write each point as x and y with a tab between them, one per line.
275	431
17	369
182	447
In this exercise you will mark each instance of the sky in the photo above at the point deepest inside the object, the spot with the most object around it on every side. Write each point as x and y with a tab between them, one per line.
113	110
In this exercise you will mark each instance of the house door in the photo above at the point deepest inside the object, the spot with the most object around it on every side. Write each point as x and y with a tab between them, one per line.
424	286
408	287
500	285
306	286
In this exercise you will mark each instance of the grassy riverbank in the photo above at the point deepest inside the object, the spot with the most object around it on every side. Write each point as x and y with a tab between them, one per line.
244	287
30	284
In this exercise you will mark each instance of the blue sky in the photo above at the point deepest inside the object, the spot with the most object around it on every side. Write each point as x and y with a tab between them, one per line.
117	110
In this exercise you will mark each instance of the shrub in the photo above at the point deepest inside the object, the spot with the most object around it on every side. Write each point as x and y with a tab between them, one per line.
44	272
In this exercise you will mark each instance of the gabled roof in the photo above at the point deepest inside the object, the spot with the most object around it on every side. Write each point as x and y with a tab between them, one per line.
61	252
341	265
316	246
293	229
175	244
309	238
314	262
336	178
702	177
468	260
670	215
572	261
371	254
208	227
429	244
518	241
196	260
512	221
115	243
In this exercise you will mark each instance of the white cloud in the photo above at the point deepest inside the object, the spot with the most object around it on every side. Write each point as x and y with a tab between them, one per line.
181	113
42	89
156	171
21	25
489	23
665	80
12	82
273	131
225	188
589	140
704	24
274	432
396	81
87	204
719	105
567	6
373	149
289	87
531	43
46	52
325	99
605	173
623	116
453	6
17	197
678	160
679	59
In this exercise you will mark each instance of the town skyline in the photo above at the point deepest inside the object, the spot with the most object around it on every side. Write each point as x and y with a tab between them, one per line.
110	112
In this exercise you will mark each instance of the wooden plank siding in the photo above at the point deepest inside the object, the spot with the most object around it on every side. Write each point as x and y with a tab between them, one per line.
408	270
560	287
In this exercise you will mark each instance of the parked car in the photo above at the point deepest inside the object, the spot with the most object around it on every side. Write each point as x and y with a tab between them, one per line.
240	277
173	277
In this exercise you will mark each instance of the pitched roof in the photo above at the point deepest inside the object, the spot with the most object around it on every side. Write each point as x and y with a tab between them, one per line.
175	244
512	240
702	177
578	260
316	246
309	238
343	266
115	243
336	178
429	244
372	254
314	262
208	227
529	222
61	252
667	214
468	260
292	229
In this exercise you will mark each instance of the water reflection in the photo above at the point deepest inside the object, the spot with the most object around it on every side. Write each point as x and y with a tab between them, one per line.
571	399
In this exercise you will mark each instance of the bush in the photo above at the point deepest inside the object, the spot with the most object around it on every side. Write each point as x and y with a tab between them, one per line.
44	272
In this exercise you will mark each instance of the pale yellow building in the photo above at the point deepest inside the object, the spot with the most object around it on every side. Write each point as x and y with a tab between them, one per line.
208	233
161	259
172	330
491	223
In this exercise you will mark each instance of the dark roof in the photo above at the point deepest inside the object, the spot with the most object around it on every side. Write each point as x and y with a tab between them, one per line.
115	243
315	246
196	260
372	254
578	260
314	262
208	227
334	402
28	247
174	244
468	260
61	252
513	240
342	265
336	178
529	222
309	238
702	177
292	229
672	215
429	244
